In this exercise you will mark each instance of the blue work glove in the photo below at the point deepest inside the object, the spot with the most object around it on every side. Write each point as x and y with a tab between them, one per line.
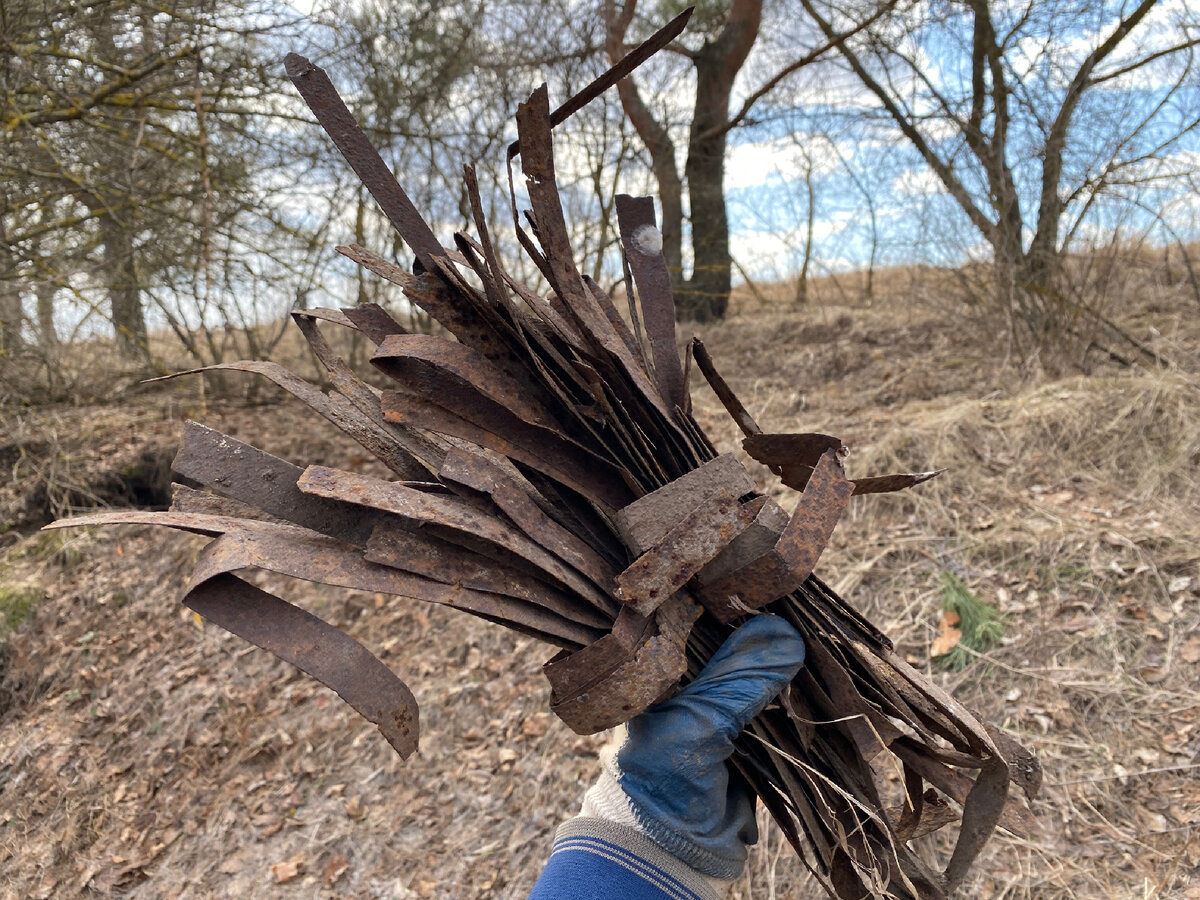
665	773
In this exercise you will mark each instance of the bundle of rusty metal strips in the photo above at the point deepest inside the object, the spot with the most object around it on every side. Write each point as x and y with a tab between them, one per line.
549	476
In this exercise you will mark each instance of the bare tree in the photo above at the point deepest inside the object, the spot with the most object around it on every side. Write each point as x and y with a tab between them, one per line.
1025	131
727	34
134	146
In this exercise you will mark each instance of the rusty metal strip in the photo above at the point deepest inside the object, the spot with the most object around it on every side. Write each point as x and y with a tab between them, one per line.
756	541
978	738
693	541
957	785
627	680
419	553
322	98
571	673
326	653
336	316
338	410
791	561
415	456
537	162
575	512
724	392
796	477
620	70
816	515
869	633
982	810
635	317
493	279
255	477
635	218
196	523
374	321
790	449
606	306
409	357
497	297
481	474
640	460
303	554
646	521
430	294
505	433
189	500
451	513
882	484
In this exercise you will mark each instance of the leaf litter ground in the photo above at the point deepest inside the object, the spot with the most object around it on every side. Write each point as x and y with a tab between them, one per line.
143	754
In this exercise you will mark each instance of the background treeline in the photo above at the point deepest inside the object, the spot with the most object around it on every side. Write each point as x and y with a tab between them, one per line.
162	189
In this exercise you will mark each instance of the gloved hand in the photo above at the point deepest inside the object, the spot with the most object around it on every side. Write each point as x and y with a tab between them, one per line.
665	772
666	818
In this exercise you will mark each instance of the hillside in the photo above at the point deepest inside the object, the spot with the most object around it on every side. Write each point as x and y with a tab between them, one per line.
144	754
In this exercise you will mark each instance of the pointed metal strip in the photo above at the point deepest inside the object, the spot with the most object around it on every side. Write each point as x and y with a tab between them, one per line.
620	70
336	316
796	477
327	654
724	392
196	523
883	484
322	98
374	321
490	273
336	408
537	162
635	217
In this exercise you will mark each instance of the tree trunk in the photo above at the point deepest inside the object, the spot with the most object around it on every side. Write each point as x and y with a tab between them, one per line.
11	314
810	220
11	319
706	295
47	335
657	141
124	291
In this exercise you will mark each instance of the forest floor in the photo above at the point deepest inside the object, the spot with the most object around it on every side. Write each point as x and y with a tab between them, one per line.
145	754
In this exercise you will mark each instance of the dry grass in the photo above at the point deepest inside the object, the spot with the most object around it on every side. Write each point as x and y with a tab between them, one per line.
144	755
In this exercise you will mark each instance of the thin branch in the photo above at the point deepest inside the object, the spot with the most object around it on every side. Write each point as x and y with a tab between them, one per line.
806	60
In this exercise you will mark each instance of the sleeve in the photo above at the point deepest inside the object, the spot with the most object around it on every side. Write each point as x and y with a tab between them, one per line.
594	859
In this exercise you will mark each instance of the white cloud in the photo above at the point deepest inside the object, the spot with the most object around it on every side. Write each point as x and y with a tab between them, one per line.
780	160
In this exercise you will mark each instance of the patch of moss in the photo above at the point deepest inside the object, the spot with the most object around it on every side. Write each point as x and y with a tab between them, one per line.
17	601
